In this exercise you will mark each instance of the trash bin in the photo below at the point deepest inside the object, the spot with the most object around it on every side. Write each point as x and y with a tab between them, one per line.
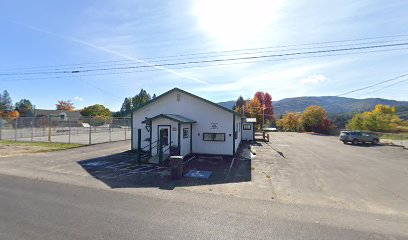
176	163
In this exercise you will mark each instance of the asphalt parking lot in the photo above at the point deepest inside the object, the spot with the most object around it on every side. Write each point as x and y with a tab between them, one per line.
292	168
321	170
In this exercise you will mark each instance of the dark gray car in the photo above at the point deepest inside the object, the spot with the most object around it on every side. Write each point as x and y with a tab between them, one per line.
356	137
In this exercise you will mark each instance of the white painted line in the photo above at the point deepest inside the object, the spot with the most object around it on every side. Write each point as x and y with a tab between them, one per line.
189	160
154	169
229	170
282	145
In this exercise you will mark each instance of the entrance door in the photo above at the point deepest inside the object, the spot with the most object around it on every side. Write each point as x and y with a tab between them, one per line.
164	134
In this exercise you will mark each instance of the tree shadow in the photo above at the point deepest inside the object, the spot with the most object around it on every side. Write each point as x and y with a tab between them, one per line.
121	170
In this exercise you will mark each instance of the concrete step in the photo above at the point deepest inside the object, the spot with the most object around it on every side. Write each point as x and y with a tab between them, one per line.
155	158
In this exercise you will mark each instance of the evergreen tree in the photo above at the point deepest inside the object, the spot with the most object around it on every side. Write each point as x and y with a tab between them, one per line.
24	107
6	104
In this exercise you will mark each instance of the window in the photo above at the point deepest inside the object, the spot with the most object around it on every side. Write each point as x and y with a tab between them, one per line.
214	136
246	126
185	132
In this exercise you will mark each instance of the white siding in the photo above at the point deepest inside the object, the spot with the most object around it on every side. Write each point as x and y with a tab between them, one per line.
203	113
248	135
238	131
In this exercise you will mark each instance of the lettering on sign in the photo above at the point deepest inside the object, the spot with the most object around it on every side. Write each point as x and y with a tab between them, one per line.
213	125
174	129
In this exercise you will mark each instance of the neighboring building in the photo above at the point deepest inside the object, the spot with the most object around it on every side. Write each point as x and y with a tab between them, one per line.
68	115
60	118
188	123
248	133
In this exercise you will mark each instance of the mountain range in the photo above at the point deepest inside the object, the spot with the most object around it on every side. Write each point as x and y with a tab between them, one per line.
330	103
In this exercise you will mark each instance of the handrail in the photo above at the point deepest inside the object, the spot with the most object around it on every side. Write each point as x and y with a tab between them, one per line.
148	146
168	147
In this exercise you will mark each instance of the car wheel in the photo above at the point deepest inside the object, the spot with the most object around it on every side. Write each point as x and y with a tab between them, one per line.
375	141
345	142
355	142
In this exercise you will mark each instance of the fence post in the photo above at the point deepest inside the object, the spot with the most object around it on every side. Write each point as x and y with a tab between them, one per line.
90	133
1	126
15	130
139	146
49	128
125	132
69	132
110	130
32	128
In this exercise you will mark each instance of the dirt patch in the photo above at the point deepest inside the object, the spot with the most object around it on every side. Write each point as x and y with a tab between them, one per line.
7	150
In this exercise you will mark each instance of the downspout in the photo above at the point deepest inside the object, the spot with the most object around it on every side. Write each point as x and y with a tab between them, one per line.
191	138
132	131
178	140
233	134
150	133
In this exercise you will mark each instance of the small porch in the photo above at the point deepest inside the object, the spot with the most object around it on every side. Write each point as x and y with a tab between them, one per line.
168	135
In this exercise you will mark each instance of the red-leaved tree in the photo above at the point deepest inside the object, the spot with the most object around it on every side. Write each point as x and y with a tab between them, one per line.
266	101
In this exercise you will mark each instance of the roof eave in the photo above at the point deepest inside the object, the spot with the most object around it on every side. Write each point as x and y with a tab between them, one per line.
192	95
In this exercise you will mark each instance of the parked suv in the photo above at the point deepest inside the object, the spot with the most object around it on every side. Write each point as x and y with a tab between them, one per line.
356	137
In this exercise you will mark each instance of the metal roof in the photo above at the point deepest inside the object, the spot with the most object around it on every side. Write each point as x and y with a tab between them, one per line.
189	94
174	117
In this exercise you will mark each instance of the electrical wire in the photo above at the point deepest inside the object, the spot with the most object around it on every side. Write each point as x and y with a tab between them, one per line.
208	61
231	51
387	86
199	66
373	85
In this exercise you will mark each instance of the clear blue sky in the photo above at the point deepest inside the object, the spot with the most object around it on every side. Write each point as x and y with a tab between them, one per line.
46	32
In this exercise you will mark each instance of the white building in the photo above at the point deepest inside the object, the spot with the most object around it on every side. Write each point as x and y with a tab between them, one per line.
248	133
188	124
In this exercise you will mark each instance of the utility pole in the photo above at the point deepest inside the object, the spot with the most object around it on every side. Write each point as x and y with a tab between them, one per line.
263	117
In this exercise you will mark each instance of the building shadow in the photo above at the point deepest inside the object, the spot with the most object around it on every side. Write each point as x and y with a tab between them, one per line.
121	170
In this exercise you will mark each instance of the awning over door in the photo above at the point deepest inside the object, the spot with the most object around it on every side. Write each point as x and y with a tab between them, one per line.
173	117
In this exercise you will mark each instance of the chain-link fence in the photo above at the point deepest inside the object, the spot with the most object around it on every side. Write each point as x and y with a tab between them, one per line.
83	130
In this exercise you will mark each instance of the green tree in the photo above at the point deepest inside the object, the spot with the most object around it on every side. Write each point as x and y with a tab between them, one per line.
383	118
131	103
239	103
24	107
96	110
126	106
140	99
6	104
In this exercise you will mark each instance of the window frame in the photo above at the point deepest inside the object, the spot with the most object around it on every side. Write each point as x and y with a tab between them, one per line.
246	124
214	138
185	132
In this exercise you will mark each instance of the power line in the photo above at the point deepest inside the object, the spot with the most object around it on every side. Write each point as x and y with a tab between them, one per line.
387	86
373	85
210	61
96	87
200	66
220	54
